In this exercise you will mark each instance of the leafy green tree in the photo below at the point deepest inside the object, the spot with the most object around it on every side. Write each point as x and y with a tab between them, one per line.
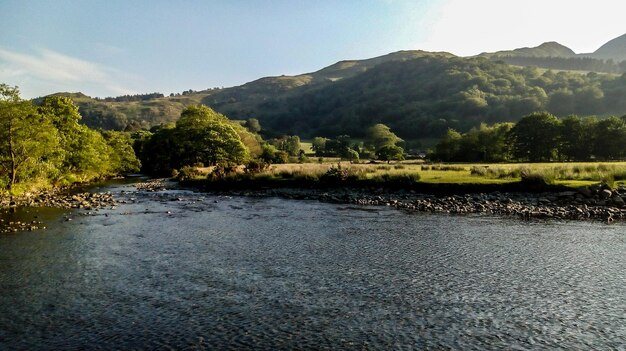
28	140
122	157
338	146
535	137
577	137
352	156
610	142
205	137
390	152
379	136
448	148
290	144
253	125
318	144
272	155
160	151
485	143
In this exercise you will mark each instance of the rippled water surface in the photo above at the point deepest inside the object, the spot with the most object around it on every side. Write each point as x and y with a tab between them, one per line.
181	270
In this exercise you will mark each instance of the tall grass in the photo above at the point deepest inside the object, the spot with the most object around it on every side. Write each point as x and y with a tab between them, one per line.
607	173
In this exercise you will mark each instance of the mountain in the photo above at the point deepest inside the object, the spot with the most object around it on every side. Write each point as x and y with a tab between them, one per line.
614	50
418	94
423	97
243	101
552	55
548	49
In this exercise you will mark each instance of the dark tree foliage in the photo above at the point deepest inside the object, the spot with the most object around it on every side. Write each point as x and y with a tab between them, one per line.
136	97
567	63
535	137
538	137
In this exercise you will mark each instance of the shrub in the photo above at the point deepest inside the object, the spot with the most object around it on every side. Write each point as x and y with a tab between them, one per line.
188	172
256	166
335	174
222	170
478	171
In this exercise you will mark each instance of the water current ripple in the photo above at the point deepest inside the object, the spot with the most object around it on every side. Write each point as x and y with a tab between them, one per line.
182	270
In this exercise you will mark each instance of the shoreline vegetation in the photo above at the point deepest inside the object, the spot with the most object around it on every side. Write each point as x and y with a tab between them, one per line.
526	191
46	149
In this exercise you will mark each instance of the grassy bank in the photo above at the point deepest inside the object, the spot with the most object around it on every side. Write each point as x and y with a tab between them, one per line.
567	174
427	178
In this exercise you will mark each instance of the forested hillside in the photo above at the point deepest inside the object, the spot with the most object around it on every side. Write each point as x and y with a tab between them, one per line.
426	96
418	94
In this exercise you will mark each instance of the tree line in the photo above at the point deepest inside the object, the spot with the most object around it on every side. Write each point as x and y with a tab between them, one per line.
131	98
567	63
538	137
45	145
203	137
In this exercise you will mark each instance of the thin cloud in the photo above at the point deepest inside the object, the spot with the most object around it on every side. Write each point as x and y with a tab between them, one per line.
48	68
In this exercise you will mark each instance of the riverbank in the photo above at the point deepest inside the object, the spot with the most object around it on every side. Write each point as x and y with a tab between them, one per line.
523	200
61	198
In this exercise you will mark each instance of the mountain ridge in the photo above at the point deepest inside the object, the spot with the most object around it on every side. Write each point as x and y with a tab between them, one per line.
418	93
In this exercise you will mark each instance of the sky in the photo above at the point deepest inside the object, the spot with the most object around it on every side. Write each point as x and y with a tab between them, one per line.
118	47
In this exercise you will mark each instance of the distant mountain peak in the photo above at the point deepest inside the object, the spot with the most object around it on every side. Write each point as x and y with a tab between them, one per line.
614	49
547	49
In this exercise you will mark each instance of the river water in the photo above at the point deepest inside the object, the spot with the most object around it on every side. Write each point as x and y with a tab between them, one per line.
184	270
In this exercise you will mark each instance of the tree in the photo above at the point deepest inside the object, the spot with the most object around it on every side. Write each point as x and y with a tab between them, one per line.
338	146
535	137
290	144
206	137
352	156
28	139
379	136
448	148
318	145
253	125
121	154
390	152
610	141
485	143
577	137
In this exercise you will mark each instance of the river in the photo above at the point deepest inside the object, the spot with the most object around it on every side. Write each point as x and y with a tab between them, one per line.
182	270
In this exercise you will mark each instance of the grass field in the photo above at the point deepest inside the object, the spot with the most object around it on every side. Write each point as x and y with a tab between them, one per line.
573	174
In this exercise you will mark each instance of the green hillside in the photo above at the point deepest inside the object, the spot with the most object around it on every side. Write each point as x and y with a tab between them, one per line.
425	96
418	94
131	115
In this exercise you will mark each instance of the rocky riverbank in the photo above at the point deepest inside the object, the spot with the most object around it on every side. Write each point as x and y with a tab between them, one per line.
83	200
598	202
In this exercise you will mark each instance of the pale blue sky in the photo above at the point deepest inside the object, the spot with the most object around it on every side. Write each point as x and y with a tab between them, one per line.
114	47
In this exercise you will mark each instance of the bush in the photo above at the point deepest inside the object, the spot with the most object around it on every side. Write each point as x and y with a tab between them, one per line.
530	178
335	174
222	170
256	166
187	173
478	171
